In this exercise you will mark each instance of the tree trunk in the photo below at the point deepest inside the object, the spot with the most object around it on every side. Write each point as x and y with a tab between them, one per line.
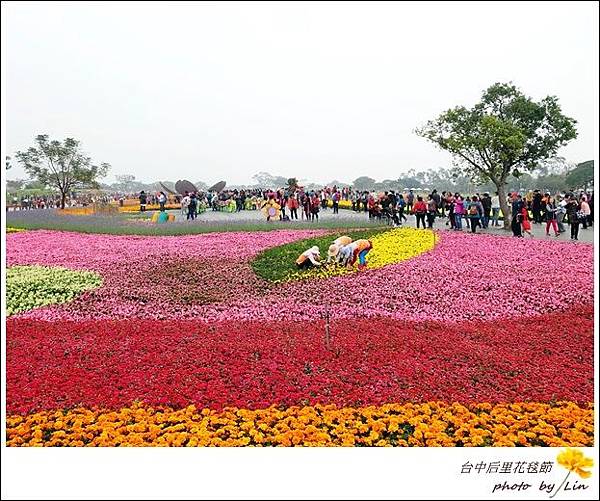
63	199
506	210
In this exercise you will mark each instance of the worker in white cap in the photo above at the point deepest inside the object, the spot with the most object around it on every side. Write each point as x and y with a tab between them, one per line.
310	257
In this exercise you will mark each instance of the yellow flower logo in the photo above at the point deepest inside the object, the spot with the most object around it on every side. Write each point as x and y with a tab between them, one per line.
574	460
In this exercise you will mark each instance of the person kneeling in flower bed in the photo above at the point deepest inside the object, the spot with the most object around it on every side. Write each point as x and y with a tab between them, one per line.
309	258
358	249
334	248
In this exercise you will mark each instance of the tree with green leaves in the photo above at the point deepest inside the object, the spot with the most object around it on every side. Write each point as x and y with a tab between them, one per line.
61	165
125	182
266	180
410	180
339	184
505	133
364	183
555	165
581	176
387	185
552	183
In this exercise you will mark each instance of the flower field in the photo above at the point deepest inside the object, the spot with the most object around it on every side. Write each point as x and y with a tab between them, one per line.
446	339
389	247
432	424
34	286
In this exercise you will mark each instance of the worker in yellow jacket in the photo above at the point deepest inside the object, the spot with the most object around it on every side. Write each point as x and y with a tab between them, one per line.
360	249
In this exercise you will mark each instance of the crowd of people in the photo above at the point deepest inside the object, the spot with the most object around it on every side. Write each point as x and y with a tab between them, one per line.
34	202
453	209
481	211
290	204
289	201
577	210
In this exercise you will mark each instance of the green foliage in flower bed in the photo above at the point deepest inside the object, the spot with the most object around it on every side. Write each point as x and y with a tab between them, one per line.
29	287
279	263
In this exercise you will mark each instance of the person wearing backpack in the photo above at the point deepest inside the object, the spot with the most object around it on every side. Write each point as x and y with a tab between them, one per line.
475	212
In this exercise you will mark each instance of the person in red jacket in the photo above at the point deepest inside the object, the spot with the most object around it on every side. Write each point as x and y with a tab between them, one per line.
525	223
420	210
314	207
293	205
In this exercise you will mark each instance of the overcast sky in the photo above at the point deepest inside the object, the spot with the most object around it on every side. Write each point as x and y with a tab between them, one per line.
318	91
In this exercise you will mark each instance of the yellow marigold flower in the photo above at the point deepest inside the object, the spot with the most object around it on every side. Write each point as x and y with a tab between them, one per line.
389	247
574	460
433	424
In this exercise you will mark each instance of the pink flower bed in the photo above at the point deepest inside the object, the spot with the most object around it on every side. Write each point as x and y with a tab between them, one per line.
208	277
100	252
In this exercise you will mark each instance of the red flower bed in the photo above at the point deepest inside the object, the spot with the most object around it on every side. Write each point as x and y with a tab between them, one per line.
256	364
